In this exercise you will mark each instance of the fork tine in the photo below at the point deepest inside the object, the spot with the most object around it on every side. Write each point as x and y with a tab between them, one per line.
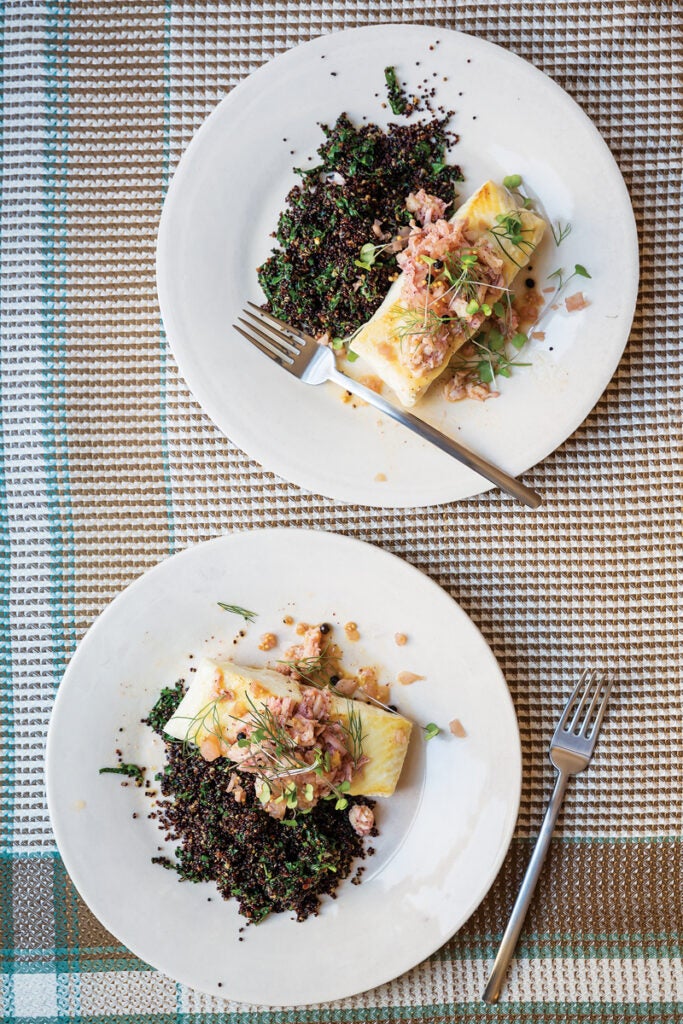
601	678
593	735
569	707
588	689
278	336
280	323
261	347
277	347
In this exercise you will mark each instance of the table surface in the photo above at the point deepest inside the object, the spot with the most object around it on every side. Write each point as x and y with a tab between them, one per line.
109	465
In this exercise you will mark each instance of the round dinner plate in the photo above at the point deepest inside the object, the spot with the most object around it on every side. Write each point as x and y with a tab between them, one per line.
223	203
443	834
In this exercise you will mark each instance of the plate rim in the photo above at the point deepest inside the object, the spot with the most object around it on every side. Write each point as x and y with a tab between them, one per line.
181	348
217	542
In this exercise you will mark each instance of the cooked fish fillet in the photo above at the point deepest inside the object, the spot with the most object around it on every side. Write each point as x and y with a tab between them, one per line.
201	713
378	341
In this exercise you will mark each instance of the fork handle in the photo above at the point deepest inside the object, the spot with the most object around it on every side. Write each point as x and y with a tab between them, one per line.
496	476
526	892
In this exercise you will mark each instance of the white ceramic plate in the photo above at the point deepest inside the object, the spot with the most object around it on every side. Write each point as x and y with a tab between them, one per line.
224	201
443	835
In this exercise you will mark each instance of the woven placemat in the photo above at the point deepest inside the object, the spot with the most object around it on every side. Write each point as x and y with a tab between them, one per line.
109	465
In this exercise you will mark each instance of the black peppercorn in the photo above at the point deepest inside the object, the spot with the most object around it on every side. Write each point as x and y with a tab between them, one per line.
530	282
325	628
438	264
334	680
241	735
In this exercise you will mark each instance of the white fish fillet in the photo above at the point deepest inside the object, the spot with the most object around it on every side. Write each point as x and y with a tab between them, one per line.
378	341
385	735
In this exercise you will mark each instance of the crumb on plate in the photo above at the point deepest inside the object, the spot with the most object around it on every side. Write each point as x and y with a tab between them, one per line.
406	678
267	642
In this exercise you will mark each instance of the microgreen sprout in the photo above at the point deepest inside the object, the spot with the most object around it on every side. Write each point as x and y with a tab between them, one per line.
509	228
368	255
561	281
512	181
431	730
236	610
490	356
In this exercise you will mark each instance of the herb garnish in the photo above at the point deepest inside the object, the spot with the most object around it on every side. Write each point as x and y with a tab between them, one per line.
562	281
431	730
368	254
131	770
509	228
397	99
165	708
512	181
236	610
560	231
313	668
491	357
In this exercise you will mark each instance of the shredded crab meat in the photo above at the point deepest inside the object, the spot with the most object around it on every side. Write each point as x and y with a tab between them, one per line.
431	293
346	687
463	385
362	818
235	787
311	646
302	756
425	207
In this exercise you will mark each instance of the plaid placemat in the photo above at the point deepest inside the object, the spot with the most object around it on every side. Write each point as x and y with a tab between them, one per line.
109	465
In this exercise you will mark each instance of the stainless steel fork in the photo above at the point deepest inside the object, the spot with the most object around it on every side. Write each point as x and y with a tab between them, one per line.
571	749
312	363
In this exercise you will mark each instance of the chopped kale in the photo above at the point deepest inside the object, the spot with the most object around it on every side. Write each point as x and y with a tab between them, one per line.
359	187
397	99
131	770
267	865
165	707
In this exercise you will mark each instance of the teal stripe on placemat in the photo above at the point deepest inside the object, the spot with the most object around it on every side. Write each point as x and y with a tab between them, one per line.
7	751
55	427
534	945
163	347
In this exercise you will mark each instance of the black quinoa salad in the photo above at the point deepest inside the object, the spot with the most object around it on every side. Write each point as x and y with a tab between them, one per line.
266	865
335	261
